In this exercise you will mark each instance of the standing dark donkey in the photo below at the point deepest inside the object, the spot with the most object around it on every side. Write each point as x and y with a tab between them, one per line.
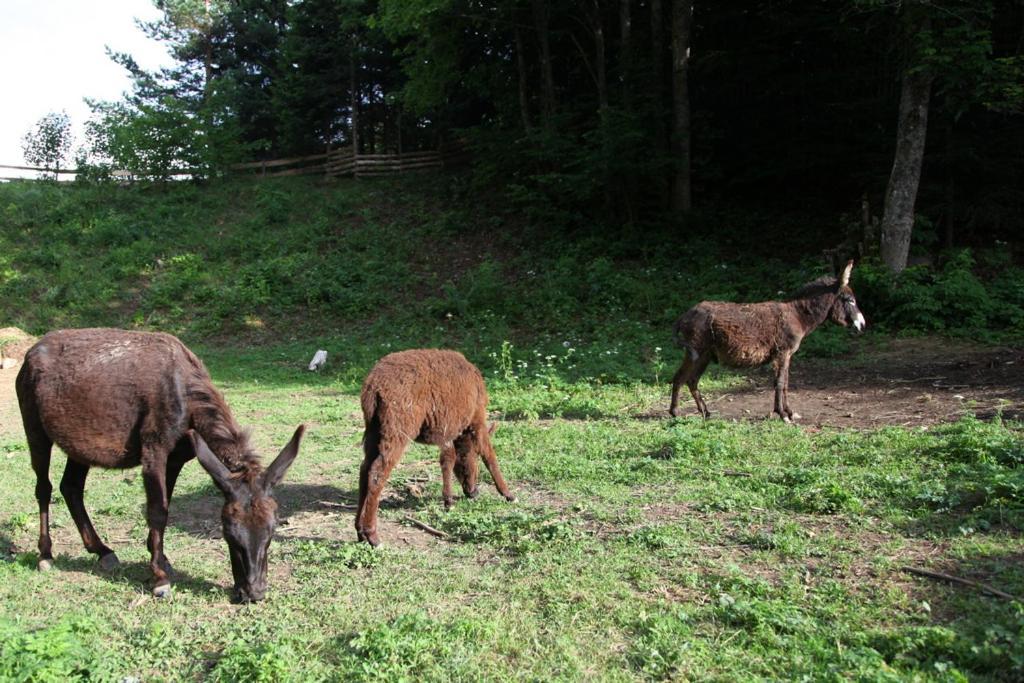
116	399
435	397
749	335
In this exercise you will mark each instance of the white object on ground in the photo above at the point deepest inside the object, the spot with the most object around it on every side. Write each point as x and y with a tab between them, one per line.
319	360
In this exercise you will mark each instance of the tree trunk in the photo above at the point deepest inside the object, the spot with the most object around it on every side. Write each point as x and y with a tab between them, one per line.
600	71
658	128
900	195
353	100
950	212
541	17
524	94
625	47
682	20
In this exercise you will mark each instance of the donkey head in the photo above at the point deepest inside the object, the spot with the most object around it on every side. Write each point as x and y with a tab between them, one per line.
844	308
249	516
467	458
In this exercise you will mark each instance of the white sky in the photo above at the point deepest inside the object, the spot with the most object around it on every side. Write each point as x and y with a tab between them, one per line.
52	55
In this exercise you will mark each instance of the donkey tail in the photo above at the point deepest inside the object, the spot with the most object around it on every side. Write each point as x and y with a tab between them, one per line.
371	404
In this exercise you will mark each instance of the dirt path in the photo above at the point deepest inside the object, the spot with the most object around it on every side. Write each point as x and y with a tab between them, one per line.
13	345
907	382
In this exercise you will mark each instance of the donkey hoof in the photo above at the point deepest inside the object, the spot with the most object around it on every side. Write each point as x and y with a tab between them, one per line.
786	419
45	565
674	412
796	416
109	562
162	591
370	537
448	503
510	498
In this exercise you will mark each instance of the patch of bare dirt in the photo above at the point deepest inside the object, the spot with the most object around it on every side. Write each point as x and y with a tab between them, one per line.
907	382
13	345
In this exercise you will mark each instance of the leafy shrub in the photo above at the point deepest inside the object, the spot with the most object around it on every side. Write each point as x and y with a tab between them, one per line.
516	530
243	662
660	645
756	615
810	491
921	647
413	647
65	651
952	298
971	440
312	556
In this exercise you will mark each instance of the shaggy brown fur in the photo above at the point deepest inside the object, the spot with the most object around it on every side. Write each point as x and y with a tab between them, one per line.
749	335
435	397
116	399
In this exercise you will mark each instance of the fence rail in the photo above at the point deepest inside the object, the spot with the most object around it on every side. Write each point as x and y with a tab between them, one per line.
332	164
36	168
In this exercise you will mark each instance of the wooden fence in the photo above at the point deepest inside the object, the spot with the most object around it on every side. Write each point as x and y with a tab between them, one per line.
333	164
342	162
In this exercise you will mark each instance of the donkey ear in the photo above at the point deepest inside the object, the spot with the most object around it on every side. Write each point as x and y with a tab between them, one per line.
275	473
220	474
844	278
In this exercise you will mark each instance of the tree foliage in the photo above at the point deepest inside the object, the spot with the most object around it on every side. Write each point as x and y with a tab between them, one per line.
570	105
48	143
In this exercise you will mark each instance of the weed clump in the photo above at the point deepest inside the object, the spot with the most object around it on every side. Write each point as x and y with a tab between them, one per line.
65	651
413	646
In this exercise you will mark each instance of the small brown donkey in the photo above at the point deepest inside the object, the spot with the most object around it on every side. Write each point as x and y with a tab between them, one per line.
749	335
435	397
117	399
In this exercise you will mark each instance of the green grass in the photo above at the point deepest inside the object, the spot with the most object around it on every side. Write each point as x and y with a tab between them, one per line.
634	552
640	548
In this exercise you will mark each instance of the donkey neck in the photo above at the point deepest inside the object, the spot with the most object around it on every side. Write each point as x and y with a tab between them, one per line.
813	310
211	417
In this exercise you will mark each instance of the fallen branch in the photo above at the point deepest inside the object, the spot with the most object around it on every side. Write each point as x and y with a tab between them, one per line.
983	587
426	527
734	473
344	506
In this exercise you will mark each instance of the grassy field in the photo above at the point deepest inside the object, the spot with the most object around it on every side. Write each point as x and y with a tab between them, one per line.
641	547
638	549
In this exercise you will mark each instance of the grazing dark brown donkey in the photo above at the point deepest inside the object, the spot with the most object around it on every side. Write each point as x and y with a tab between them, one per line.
432	396
117	399
749	335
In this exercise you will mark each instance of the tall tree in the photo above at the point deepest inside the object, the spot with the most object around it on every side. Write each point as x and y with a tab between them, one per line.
541	23
901	193
48	143
682	24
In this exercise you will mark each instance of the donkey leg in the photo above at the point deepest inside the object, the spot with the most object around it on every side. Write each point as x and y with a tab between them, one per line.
700	364
447	468
371	451
781	386
785	395
72	487
154	478
491	463
181	454
390	451
678	380
40	446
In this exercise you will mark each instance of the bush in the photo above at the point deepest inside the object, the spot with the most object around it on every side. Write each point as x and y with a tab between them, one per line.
263	663
661	645
413	647
58	653
953	298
